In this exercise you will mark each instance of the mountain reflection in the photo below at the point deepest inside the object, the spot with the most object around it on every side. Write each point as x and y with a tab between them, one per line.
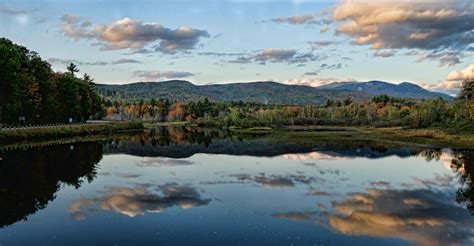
138	200
184	142
29	179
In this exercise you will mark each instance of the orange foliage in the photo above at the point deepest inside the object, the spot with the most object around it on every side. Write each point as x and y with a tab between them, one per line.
176	112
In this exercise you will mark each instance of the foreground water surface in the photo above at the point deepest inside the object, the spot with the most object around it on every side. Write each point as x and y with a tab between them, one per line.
178	186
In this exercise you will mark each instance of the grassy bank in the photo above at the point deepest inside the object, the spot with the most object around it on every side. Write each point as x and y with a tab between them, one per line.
19	135
431	137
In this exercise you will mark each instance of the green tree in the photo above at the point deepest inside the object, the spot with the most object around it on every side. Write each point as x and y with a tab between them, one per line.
10	82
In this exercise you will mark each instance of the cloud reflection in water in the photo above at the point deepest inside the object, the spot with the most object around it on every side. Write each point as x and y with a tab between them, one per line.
139	200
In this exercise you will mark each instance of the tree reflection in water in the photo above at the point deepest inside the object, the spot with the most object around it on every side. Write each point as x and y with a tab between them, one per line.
29	179
463	164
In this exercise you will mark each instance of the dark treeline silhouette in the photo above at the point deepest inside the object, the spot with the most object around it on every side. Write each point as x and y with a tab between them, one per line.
29	179
31	93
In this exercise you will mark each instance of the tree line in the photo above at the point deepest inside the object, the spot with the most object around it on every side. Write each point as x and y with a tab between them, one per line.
31	92
381	111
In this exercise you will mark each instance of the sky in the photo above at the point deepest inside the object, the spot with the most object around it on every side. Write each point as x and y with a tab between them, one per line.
211	42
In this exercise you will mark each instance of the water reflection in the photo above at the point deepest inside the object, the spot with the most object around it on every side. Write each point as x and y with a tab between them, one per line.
138	200
421	216
223	182
275	181
30	179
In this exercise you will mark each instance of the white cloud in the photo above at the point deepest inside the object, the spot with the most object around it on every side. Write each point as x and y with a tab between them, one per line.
442	28
131	34
452	84
139	200
466	73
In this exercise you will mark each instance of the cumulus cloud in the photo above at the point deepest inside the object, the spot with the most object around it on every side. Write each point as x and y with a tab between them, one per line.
138	200
449	87
295	20
452	84
467	73
155	75
420	216
96	63
132	34
316	82
277	56
435	26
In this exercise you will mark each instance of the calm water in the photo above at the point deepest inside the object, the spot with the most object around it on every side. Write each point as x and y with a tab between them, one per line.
188	187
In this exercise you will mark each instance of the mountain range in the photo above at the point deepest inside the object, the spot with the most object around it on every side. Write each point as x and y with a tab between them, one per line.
264	92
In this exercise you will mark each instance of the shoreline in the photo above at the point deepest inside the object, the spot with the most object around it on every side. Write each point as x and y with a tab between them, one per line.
429	137
65	132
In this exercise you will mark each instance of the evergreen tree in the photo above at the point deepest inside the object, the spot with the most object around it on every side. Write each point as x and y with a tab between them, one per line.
72	68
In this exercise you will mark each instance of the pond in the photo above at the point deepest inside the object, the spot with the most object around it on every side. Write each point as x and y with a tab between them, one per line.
185	186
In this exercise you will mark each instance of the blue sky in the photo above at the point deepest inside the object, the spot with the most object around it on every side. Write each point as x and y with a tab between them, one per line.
300	42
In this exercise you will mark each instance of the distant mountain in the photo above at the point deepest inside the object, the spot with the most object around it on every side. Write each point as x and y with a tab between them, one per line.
374	87
259	92
262	92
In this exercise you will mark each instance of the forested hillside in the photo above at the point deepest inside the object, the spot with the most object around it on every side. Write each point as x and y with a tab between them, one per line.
256	92
263	92
405	89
